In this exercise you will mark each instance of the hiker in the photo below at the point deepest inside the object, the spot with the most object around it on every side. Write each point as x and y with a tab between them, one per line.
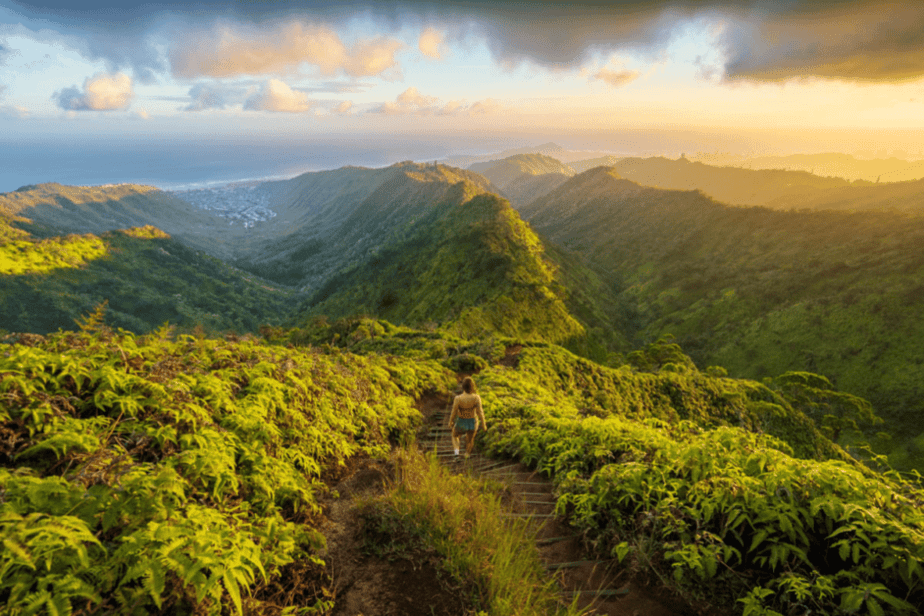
465	417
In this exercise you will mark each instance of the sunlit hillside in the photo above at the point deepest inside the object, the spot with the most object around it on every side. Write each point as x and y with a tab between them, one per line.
870	169
468	264
147	278
758	291
524	177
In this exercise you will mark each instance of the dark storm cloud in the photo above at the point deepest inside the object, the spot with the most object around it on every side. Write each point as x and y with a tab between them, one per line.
859	40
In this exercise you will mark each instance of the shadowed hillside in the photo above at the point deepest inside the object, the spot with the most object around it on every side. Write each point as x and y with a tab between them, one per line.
53	209
727	184
897	196
758	291
836	164
524	177
330	220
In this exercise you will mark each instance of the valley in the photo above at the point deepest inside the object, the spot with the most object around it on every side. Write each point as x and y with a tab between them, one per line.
666	342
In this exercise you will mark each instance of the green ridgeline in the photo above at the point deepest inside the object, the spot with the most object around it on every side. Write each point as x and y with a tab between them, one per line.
146	278
760	292
469	264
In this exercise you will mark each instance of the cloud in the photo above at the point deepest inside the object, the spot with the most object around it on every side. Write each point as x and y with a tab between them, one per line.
856	41
344	107
431	42
488	105
14	111
412	102
766	40
102	92
142	114
413	98
618	77
231	50
11	111
5	52
206	96
275	95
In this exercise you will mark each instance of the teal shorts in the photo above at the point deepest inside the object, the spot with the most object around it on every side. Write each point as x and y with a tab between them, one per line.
463	425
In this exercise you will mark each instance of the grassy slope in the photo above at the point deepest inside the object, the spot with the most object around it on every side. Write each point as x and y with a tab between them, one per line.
48	210
468	263
332	220
184	474
146	278
758	291
726	184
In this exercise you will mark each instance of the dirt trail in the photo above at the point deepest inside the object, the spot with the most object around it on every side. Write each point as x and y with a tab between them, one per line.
365	584
604	587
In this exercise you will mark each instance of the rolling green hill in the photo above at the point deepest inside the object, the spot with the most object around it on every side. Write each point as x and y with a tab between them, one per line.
330	220
758	291
524	177
146	277
54	209
469	264
731	185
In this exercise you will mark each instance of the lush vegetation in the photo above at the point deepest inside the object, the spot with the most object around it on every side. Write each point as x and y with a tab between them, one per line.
757	291
181	474
22	254
463	520
471	265
147	278
711	483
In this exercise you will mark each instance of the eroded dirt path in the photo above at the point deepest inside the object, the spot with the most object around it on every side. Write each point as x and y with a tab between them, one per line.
366	584
603	587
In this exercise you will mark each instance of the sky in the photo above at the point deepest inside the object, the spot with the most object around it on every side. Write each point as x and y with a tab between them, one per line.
83	81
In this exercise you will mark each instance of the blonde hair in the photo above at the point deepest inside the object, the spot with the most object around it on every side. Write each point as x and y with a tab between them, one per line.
468	385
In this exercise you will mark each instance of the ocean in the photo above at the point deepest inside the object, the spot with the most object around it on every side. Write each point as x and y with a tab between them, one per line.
194	164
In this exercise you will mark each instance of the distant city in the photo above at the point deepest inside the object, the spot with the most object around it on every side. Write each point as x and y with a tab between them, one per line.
246	203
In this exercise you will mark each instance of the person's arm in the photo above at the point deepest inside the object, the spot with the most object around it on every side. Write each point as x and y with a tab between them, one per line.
455	410
480	412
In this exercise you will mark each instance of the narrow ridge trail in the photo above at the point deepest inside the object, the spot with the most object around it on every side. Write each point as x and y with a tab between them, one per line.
601	587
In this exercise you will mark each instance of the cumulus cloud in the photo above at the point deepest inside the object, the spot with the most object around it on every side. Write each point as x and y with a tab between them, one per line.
275	95
431	42
206	96
412	102
344	107
227	50
101	92
616	77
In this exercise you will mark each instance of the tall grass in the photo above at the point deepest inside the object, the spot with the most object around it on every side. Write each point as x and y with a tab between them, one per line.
462	518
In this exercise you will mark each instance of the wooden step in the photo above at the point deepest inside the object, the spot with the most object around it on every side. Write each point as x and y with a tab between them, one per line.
603	592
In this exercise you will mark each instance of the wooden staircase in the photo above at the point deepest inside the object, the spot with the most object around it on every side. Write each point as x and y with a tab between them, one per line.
594	584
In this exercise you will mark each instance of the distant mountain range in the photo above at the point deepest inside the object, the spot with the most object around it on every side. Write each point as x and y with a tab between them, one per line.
833	164
602	261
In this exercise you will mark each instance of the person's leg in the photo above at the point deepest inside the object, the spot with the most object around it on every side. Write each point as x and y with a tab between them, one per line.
455	440
470	442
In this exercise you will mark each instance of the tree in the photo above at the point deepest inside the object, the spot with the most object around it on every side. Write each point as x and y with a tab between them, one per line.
833	411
